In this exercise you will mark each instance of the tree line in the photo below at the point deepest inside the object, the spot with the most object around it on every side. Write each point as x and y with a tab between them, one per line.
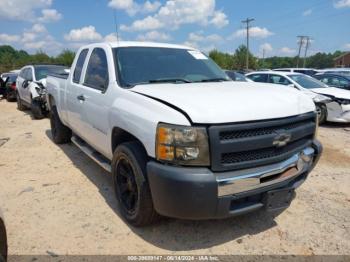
237	60
11	58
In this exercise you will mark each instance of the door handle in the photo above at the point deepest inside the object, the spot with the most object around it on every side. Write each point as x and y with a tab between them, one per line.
81	98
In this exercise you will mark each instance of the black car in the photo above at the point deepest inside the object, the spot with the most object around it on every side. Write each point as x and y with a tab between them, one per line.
235	76
335	80
10	87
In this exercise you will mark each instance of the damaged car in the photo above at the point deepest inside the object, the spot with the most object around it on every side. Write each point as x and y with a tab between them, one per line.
332	104
31	87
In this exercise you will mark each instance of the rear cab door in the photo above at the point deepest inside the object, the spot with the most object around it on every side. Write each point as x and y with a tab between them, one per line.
92	98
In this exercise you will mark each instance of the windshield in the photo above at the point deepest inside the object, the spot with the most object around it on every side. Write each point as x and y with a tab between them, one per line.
42	71
144	65
307	81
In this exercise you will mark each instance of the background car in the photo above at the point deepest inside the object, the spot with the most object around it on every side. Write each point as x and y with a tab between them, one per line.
235	76
31	87
306	71
332	104
3	239
10	87
335	80
343	70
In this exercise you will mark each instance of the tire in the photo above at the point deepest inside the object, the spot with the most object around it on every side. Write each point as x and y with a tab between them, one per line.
130	184
322	113
61	134
3	241
36	109
20	105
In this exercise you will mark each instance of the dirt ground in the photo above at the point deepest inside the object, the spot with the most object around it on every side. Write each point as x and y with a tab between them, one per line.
55	199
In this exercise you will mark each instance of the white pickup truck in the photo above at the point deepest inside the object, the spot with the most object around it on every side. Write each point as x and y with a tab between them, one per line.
181	139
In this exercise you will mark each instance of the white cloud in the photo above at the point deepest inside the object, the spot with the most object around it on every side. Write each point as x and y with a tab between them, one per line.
342	4
38	28
6	39
175	13
202	42
28	37
255	31
307	12
287	51
149	23
347	46
266	46
199	37
87	33
21	10
112	37
132	7
219	19
49	15
154	36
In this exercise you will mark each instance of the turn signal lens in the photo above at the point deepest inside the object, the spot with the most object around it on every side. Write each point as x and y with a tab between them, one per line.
182	145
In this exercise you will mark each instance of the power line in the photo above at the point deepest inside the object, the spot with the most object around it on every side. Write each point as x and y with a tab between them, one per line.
247	22
301	43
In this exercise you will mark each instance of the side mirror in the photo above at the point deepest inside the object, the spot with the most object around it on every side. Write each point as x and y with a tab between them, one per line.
25	83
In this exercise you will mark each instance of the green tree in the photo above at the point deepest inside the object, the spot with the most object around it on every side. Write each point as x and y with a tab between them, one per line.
240	58
66	57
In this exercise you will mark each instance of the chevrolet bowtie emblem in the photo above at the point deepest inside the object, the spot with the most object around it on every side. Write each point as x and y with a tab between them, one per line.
282	139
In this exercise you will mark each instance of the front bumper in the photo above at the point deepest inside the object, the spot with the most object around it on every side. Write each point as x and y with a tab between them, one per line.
338	113
198	193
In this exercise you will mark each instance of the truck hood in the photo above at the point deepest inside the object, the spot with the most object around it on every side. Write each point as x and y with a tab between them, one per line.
227	102
332	91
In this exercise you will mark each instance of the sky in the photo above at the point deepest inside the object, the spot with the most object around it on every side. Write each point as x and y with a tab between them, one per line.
54	25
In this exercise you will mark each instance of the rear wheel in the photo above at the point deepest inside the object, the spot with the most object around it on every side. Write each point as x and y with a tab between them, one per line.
130	184
20	105
322	113
61	134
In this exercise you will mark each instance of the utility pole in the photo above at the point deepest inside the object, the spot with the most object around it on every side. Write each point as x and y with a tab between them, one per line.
301	42
263	58
247	22
306	48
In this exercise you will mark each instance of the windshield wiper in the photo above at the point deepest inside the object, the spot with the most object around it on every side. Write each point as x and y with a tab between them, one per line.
219	79
169	80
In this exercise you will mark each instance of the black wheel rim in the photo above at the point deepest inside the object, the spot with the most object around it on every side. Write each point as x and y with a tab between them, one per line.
126	185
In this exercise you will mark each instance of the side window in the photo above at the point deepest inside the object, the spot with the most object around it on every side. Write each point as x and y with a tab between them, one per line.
258	78
22	73
79	65
343	82
276	79
97	70
29	74
335	82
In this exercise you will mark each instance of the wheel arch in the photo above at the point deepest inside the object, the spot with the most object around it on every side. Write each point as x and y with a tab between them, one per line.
120	136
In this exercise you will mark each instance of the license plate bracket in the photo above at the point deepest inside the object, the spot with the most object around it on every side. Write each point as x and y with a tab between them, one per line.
279	198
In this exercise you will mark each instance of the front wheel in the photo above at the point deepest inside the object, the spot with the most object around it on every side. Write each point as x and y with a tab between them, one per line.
37	110
322	113
61	134
130	184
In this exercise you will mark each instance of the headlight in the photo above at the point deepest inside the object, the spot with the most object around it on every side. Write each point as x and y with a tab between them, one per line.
343	101
41	91
182	145
321	99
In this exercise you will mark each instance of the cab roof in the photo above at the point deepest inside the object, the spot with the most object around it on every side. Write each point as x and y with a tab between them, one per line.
142	44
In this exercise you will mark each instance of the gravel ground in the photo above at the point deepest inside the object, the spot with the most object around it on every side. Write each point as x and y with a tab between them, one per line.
55	199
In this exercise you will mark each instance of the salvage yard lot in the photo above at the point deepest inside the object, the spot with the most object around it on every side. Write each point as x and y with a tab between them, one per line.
55	199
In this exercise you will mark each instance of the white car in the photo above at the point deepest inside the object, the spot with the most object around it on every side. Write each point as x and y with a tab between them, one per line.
333	104
180	138
306	71
31	87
